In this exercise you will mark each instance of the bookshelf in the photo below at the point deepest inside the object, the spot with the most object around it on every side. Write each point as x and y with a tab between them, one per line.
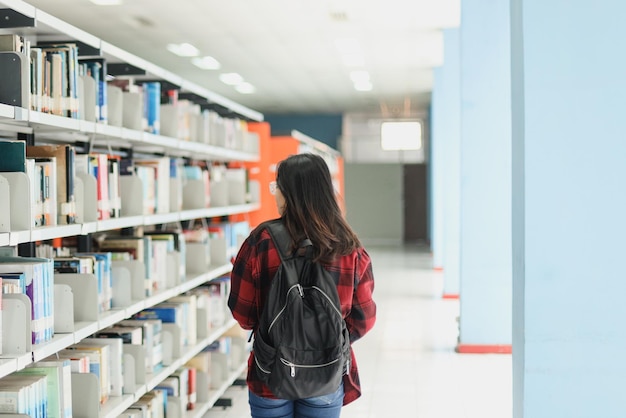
79	311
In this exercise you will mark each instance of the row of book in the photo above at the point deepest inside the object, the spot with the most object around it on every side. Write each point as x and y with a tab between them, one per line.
56	79
165	258
44	389
149	186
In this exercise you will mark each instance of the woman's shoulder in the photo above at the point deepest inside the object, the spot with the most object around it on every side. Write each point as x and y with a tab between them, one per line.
260	233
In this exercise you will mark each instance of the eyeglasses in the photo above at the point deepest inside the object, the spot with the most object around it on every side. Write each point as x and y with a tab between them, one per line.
273	187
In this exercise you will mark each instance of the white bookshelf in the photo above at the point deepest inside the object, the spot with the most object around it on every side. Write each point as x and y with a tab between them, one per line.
55	128
48	128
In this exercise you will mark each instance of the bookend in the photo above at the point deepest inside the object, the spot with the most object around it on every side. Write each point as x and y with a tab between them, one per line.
219	251
121	287
85	291
175	408
19	198
194	196
85	395
173	270
14	73
5	205
16	324
63	309
130	188
203	322
197	257
128	373
86	202
134	367
171	338
135	281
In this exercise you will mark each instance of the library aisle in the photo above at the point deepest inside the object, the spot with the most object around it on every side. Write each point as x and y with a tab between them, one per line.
408	364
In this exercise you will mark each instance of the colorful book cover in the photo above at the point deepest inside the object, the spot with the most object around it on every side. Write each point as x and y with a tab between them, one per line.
13	156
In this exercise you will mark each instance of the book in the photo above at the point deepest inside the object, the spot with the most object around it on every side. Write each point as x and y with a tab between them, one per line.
78	361
115	197
99	167
139	247
116	379
48	184
13	156
151	340
64	382
160	182
65	177
97	68
39	287
99	364
152	106
190	306
36	79
102	262
72	265
69	54
54	388
192	395
128	334
176	238
24	394
12	42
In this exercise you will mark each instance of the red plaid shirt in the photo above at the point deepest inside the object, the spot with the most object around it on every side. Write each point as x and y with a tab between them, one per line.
253	269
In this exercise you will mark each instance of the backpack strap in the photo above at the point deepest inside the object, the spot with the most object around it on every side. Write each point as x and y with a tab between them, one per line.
282	240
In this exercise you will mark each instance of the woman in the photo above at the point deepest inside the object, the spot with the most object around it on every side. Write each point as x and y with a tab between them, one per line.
306	201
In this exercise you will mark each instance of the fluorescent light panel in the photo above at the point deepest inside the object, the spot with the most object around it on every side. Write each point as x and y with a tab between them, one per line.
206	63
232	79
245	88
401	136
183	50
363	86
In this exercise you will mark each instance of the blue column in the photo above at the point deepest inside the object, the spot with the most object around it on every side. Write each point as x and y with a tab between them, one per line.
436	167
485	320
569	208
447	159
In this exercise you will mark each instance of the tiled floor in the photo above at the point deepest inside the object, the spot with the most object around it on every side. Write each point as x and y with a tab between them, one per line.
408	364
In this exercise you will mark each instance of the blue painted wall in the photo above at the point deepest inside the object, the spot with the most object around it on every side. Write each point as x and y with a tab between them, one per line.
325	128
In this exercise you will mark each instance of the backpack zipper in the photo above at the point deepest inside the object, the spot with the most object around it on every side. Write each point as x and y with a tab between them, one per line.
295	286
329	300
259	366
293	366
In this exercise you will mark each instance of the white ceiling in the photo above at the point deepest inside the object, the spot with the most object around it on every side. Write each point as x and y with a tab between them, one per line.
284	48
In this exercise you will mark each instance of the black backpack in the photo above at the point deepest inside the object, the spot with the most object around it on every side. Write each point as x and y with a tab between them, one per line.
301	345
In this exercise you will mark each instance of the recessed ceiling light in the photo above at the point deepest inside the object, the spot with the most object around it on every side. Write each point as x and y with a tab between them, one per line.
245	88
183	50
206	63
106	2
363	86
232	79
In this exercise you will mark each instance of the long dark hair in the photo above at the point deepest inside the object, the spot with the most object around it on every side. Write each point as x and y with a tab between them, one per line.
311	208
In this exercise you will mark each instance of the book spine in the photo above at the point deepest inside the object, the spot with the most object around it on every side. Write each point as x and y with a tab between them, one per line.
69	206
152	106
